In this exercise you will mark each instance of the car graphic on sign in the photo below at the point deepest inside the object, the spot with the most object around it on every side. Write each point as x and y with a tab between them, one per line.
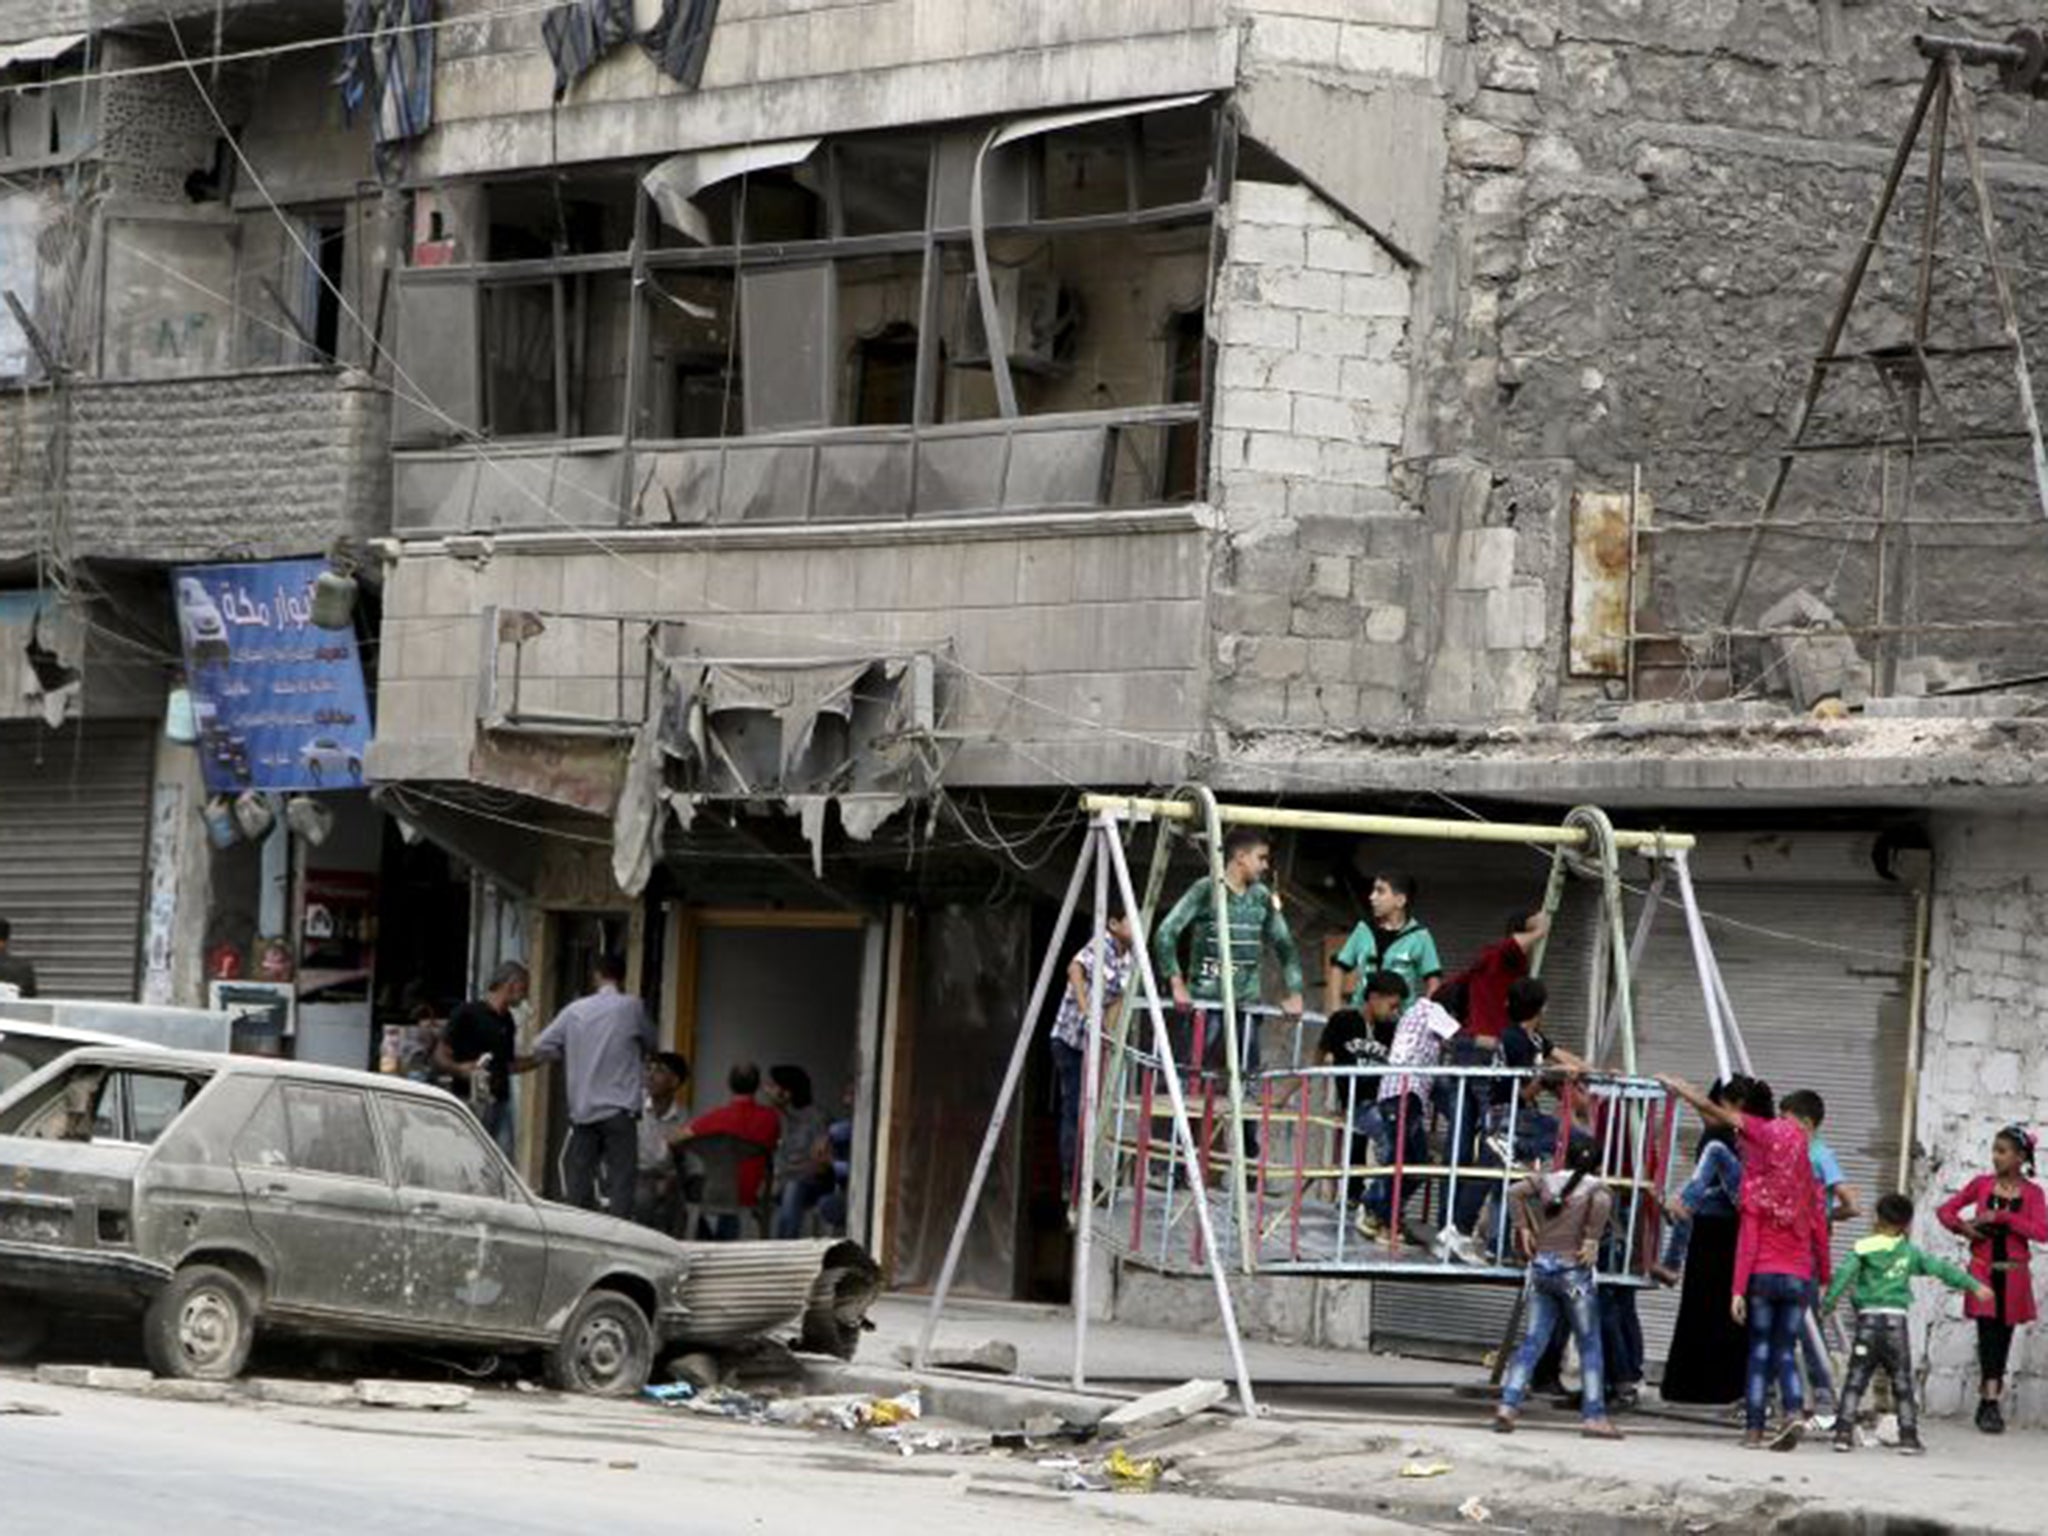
199	620
327	758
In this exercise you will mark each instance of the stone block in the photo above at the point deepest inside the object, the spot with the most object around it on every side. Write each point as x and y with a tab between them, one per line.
1274	563
1376	580
432	1396
1383	295
988	574
1338	336
1515	618
1386	624
1275	657
1318	292
1356	463
1249	323
1382	666
1486	558
1253	703
299	1394
1272	202
1332	661
1251	498
1159	1410
1344	250
1293	40
1331	533
996	1356
1552	155
1324	619
1321	705
1344	1314
1318	416
1045	570
98	1378
1506	65
1285	454
1477	145
1255	410
1305	373
173	1389
1329	576
1269	245
1370	50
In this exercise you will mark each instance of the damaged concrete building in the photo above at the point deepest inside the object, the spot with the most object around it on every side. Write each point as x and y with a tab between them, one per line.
790	445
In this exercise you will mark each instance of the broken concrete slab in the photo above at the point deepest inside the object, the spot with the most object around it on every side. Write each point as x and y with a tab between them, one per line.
1156	1410
173	1389
433	1396
100	1378
986	1403
299	1394
1823	666
997	1356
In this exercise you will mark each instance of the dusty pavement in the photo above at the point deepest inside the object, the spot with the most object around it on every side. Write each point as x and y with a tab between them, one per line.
515	1463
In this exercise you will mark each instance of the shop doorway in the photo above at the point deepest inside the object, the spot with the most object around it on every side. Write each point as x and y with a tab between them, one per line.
771	988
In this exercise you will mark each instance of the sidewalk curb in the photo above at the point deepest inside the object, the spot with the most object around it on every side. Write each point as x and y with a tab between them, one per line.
985	1402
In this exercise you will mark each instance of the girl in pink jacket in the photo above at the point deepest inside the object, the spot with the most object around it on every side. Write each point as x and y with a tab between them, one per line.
2007	1213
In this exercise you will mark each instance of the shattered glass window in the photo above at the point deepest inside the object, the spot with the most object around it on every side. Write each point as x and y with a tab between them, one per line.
442	1150
263	1142
328	1131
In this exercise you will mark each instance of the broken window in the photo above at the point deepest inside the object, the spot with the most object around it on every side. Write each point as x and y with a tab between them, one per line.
1186	355
883	183
694	384
439	1149
45	107
102	1104
555	355
327	1130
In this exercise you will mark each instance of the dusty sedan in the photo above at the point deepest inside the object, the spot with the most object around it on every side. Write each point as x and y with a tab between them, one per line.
213	1195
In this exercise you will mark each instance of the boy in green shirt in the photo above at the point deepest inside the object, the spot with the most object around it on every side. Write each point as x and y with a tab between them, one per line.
1391	940
1253	912
1881	1272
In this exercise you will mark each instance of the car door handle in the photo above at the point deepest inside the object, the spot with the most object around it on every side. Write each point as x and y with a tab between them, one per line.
277	1194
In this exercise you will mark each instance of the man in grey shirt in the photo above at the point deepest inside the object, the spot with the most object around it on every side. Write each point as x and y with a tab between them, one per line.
603	1042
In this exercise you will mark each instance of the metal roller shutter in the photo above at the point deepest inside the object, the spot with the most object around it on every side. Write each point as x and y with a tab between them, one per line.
1827	1014
74	839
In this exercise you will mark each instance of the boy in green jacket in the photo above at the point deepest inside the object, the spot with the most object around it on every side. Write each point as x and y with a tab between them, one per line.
1881	1272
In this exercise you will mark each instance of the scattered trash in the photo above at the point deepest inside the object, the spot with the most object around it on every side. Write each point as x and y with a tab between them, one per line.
1077	1481
1128	1476
1888	1429
523	1385
1156	1410
670	1391
1060	1463
725	1403
1472	1509
1425	1468
892	1410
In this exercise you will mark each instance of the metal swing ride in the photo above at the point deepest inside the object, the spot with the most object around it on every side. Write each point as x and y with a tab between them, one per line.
1283	1198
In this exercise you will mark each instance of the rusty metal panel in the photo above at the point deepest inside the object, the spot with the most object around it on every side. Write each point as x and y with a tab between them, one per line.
735	1291
1602	549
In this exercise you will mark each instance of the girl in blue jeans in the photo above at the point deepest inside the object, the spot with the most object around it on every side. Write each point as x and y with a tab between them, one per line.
1559	1220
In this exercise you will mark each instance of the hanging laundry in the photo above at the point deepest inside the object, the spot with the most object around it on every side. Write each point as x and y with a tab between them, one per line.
387	64
680	38
582	32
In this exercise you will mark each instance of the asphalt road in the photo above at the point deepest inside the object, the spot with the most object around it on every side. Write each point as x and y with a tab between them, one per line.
517	1464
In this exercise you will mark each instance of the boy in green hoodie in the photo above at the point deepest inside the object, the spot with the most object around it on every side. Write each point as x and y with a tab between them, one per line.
1881	1272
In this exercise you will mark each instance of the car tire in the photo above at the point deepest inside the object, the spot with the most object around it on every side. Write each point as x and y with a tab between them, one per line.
606	1350
201	1325
23	1326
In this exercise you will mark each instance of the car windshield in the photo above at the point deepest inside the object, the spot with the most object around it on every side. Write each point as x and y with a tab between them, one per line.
21	1055
100	1103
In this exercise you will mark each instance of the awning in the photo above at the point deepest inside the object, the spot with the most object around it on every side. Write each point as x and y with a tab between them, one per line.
676	181
1081	117
40	50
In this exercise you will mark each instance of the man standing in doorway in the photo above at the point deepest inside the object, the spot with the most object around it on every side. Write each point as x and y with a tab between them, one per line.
477	1050
1070	1036
17	976
603	1042
1252	911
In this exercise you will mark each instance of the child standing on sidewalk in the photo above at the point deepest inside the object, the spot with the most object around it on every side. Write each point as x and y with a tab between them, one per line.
2008	1212
1880	1277
1559	1219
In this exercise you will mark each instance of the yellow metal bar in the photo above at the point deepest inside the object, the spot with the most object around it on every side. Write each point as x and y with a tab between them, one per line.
1385	826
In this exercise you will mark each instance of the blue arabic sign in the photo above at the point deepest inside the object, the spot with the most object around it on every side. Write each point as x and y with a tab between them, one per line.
279	704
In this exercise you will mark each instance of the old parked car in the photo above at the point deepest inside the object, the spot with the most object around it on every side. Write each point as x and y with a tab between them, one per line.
216	1195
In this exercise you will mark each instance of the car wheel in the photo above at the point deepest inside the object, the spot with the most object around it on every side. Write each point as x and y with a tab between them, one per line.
23	1327
201	1325
606	1351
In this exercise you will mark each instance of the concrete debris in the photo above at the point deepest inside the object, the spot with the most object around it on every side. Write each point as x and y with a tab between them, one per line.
994	1355
1823	665
1931	674
100	1378
1425	1468
177	1390
299	1394
699	1368
434	1396
1157	1410
1475	1511
9	1408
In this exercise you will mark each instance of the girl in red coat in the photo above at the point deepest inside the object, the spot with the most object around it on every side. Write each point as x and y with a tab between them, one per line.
2008	1211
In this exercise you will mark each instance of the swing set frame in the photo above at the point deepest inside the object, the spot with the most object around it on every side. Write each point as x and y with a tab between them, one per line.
1585	841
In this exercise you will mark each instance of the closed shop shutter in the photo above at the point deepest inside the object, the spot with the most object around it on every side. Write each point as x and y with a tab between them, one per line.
74	838
1827	1014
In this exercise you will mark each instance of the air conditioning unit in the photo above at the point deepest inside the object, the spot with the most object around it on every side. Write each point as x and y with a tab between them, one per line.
1036	316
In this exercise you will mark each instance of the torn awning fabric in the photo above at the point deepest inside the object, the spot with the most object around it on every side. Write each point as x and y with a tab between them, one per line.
795	693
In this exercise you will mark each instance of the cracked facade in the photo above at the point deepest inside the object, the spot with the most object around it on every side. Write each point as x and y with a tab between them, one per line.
1329	332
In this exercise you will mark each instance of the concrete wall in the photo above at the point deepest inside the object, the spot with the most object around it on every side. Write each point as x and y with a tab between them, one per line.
1645	222
784	68
255	465
1982	1067
1100	622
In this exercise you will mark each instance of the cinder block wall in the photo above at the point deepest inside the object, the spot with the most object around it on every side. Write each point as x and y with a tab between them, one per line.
1982	1067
